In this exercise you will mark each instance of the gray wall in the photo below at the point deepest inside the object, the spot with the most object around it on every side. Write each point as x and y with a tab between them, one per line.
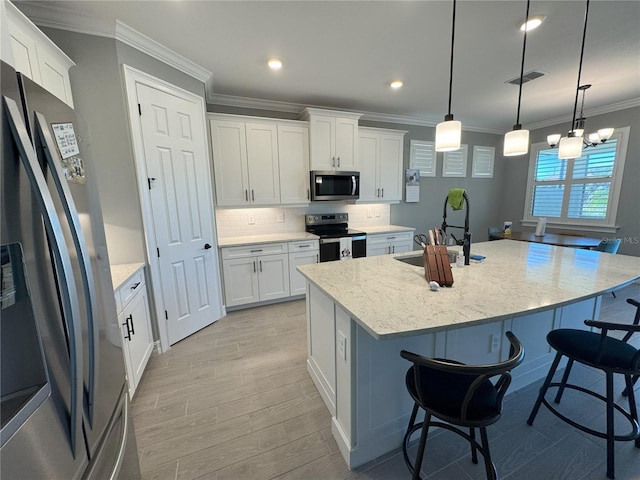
628	216
99	95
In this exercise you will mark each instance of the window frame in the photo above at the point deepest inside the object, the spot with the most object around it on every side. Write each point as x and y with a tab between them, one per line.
608	224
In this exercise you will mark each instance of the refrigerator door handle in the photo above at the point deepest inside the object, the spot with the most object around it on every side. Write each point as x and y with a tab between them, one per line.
62	263
71	212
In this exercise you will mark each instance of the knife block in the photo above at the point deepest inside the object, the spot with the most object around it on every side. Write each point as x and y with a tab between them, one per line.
437	267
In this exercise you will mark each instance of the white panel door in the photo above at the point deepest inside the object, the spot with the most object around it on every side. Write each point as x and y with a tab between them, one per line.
293	152
368	151
229	145
262	159
390	167
177	165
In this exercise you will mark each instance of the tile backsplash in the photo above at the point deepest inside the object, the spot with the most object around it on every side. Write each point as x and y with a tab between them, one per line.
232	222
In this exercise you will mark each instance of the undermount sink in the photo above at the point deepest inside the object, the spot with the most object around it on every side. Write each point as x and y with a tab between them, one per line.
417	260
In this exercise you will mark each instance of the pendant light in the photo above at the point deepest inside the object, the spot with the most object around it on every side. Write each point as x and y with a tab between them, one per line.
516	142
449	132
571	145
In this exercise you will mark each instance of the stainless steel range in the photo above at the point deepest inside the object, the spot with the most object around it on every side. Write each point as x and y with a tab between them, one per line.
337	240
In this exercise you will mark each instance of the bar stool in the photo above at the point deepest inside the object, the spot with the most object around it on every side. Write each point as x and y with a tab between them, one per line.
605	353
460	395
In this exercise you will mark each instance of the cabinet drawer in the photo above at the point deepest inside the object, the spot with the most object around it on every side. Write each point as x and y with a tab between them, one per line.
254	250
303	246
129	288
389	238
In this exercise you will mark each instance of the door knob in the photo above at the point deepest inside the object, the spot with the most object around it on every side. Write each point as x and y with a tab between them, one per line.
207	246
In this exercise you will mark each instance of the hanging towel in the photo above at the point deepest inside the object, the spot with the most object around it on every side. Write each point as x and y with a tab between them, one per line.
345	248
456	198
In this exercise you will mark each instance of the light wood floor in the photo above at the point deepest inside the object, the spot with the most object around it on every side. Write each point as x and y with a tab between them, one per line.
234	401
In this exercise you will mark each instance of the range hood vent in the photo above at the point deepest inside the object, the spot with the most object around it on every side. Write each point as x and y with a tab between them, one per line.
527	77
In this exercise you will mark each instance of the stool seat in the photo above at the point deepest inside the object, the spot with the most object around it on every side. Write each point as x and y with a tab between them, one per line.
584	347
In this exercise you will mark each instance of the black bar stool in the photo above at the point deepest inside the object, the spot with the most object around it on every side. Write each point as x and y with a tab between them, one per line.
460	395
605	353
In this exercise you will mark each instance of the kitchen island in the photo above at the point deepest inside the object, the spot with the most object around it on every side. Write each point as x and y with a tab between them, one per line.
362	312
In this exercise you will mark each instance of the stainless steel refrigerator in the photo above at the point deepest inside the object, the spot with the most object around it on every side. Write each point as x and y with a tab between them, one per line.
64	410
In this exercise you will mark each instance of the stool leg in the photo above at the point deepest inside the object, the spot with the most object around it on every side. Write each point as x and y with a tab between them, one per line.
474	455
633	381
488	464
543	389
563	383
610	433
633	410
423	441
412	420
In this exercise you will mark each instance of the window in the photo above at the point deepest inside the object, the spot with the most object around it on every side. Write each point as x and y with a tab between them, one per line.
423	157
454	164
582	192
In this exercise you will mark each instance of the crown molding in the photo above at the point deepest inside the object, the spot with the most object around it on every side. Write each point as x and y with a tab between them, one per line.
614	107
297	108
52	16
135	39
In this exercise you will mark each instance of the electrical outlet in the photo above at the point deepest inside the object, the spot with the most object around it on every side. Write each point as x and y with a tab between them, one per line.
251	219
495	343
342	346
280	217
369	213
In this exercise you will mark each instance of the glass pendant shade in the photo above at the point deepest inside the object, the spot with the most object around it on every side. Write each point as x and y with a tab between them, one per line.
579	132
516	142
594	138
553	140
448	136
605	133
570	147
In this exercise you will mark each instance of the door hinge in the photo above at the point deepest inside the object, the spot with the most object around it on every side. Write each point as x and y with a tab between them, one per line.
158	251
139	110
166	315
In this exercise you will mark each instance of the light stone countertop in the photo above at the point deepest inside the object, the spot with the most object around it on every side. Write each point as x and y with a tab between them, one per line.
383	229
266	238
389	298
121	273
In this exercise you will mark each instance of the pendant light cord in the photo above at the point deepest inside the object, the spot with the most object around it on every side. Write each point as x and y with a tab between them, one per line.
524	47
453	34
584	35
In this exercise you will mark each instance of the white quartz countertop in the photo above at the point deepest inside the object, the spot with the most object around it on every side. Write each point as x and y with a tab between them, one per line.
389	298
121	273
383	229
266	238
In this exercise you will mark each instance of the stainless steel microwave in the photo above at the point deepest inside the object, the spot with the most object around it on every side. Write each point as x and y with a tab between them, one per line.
332	185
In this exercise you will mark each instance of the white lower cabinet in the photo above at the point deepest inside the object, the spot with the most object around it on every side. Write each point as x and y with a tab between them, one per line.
386	243
134	319
255	273
301	253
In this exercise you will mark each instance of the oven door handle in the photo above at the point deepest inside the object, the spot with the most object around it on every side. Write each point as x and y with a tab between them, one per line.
329	240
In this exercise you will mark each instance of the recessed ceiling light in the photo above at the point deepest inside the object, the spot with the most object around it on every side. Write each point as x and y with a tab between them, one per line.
534	22
274	63
396	84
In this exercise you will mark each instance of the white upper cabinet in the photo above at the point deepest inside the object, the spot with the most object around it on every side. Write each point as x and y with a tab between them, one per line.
259	161
333	139
381	161
293	152
36	56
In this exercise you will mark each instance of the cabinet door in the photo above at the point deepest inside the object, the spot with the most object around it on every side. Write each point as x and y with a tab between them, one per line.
322	142
23	47
368	150
128	367
262	159
273	275
141	343
297	281
229	144
401	247
240	281
293	153
390	172
54	75
346	143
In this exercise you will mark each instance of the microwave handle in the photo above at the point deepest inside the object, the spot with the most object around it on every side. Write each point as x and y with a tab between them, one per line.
354	184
